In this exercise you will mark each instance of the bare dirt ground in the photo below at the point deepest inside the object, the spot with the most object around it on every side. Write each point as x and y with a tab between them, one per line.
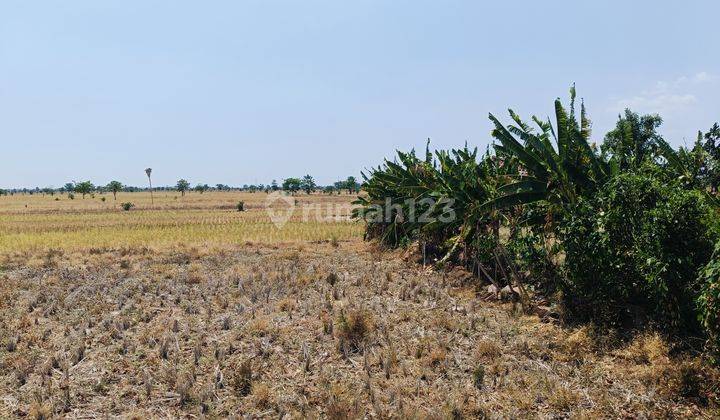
318	330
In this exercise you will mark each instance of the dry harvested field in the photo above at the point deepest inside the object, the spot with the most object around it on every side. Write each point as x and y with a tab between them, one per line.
188	309
36	222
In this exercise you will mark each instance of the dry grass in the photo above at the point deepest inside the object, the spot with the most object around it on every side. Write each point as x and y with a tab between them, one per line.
35	223
191	309
183	332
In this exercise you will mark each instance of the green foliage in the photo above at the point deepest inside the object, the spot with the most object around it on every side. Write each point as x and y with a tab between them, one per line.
115	187
533	254
84	188
623	234
307	184
634	140
709	302
240	206
127	206
555	178
182	186
633	251
292	185
437	200
711	145
351	185
201	188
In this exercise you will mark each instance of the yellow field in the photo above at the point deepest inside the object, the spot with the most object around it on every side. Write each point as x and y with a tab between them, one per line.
35	222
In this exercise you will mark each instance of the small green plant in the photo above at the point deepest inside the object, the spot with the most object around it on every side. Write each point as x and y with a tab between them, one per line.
479	377
102	199
71	196
240	206
127	206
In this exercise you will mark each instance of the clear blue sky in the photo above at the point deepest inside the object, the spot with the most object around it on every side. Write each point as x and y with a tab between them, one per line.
247	91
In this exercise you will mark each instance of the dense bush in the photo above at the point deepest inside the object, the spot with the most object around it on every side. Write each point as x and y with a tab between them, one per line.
633	254
623	231
533	255
709	301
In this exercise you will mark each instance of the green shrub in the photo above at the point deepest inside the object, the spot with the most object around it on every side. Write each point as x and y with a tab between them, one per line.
532	256
633	254
240	206
709	301
127	206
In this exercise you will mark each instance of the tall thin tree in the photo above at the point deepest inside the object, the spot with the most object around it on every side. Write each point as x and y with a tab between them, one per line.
148	171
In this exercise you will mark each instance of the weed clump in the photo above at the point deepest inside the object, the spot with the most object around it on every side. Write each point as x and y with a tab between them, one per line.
242	378
353	330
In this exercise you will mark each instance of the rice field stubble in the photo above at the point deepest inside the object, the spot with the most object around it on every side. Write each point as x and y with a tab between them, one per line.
298	324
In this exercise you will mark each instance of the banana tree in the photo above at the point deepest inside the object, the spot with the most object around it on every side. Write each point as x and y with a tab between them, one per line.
552	176
686	166
438	200
392	192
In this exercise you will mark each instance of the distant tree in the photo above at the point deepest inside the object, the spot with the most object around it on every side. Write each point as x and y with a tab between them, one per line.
221	187
84	188
114	187
182	186
49	191
352	185
330	189
274	185
292	185
148	172
3	192
201	188
634	139
307	184
69	187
